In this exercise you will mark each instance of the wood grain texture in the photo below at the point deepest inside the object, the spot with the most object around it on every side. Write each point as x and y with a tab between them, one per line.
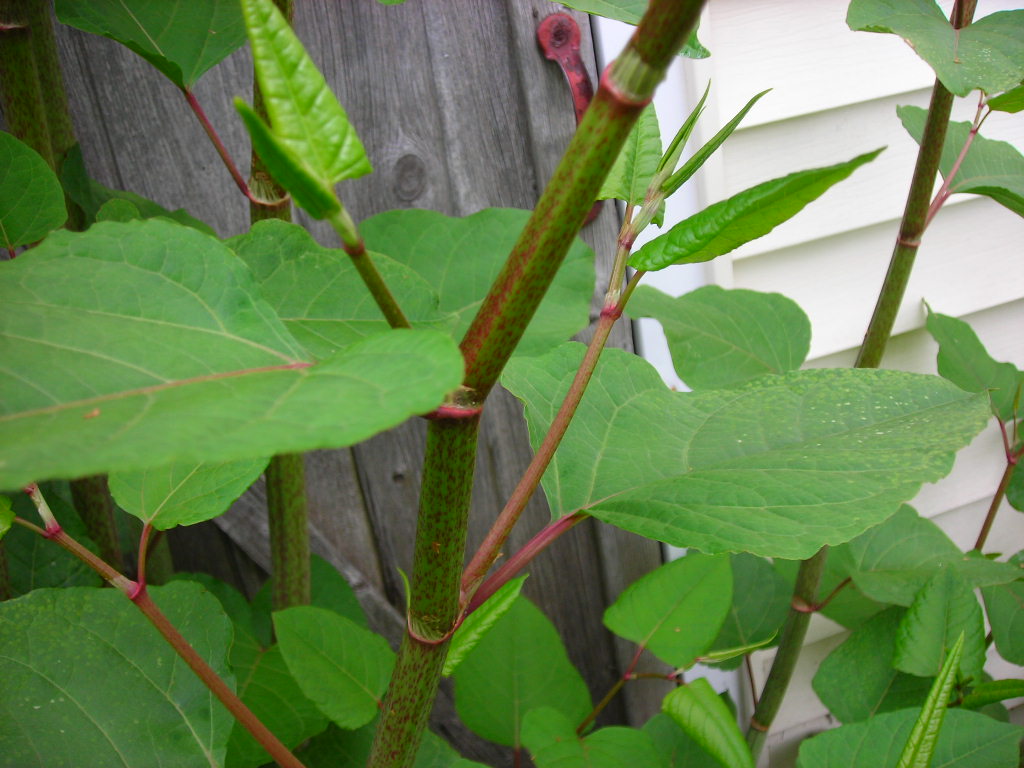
458	111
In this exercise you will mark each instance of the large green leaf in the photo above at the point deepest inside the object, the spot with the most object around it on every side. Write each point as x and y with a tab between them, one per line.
892	561
34	562
630	12
676	748
944	608
777	467
317	292
343	668
479	622
551	738
637	161
91	196
31	200
177	358
676	610
85	679
267	687
185	493
857	680
746	216
517	666
721	338
181	38
920	747
460	258
705	718
991	168
760	604
964	360
1011	101
967	740
988	54
1004	604
304	114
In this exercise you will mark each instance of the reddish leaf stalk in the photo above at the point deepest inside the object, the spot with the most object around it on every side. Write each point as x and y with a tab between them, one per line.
612	692
222	151
997	500
944	191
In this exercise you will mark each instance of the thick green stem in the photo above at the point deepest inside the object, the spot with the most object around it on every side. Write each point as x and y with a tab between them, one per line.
915	220
21	93
790	645
993	508
94	505
288	516
434	597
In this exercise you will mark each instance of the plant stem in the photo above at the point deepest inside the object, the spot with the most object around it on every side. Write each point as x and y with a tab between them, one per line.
912	226
790	645
288	516
222	151
944	190
997	500
21	94
354	246
612	692
94	505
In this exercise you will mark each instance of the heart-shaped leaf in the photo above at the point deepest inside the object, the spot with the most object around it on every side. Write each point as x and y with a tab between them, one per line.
676	610
721	338
181	38
31	199
988	54
517	666
459	259
183	494
177	358
777	467
83	664
858	681
746	216
991	168
317	292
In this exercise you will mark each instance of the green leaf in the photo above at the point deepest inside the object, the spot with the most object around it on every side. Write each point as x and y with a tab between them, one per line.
991	168
722	338
637	162
79	667
943	609
338	748
318	294
1015	489
630	12
702	714
760	604
676	610
479	622
34	562
1011	101
1004	604
460	257
920	747
967	740
343	668
6	516
89	195
892	561
857	680
964	360
267	687
31	200
118	210
517	666
745	216
185	493
231	600
305	115
676	748
777	467
988	54
701	156
849	606
992	691
182	39
674	151
553	743
170	344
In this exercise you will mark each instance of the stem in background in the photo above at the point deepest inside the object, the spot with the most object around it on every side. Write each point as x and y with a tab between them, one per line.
288	516
95	506
5	576
211	133
627	675
912	226
997	500
790	645
21	94
354	246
